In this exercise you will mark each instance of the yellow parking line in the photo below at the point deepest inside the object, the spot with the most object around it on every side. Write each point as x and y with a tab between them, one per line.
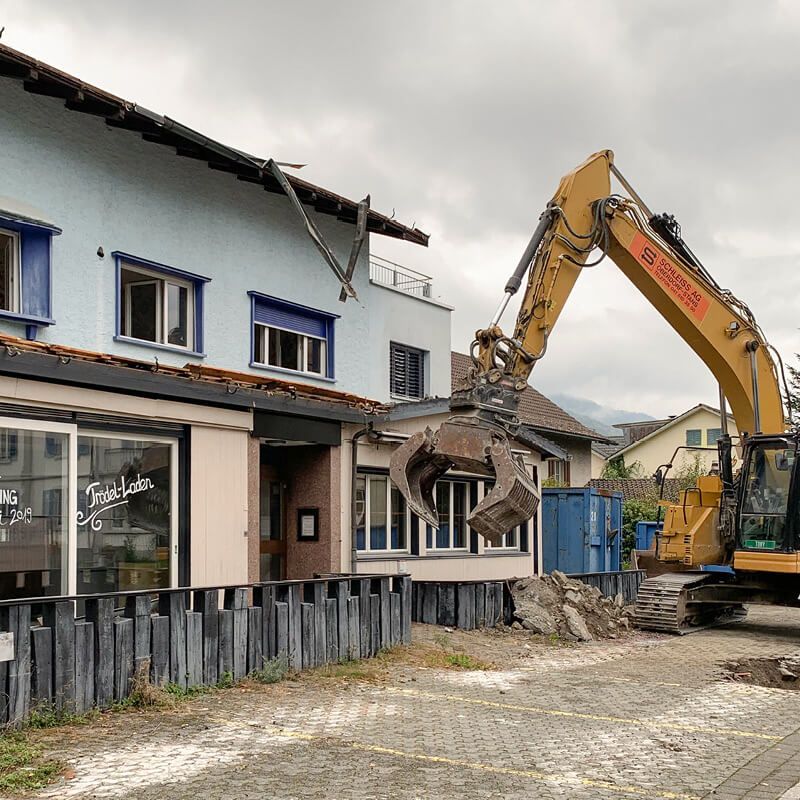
569	780
551	712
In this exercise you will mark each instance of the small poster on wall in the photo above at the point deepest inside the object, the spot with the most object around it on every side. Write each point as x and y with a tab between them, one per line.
307	524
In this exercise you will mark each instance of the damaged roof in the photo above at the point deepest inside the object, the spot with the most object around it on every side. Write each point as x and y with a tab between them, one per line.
534	408
192	383
37	77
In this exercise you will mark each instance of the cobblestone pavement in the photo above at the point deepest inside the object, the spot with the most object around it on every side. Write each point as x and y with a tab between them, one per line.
647	716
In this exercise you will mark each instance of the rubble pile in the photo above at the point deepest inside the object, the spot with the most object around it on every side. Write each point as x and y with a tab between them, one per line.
568	608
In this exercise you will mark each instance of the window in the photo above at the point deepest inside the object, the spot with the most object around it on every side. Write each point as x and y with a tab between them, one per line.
287	336
9	270
712	434
382	519
452	503
157	309
8	445
694	437
558	472
25	266
406	371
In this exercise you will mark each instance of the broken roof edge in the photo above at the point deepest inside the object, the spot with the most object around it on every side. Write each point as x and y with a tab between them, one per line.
44	79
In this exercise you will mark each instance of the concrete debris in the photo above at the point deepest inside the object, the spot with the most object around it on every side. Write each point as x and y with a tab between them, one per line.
570	609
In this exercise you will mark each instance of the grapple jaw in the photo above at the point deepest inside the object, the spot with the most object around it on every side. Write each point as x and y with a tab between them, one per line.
470	445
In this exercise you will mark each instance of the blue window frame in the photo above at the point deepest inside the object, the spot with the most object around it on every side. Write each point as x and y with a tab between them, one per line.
694	437
26	254
289	337
158	306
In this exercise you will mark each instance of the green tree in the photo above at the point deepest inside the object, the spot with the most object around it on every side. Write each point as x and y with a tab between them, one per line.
794	389
634	511
617	469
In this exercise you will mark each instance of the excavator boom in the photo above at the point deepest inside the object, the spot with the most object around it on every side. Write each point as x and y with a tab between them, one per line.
583	219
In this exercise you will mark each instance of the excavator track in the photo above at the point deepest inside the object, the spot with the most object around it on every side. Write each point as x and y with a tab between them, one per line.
661	604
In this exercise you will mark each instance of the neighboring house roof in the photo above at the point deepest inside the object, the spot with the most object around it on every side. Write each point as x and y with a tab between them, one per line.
671	423
39	78
607	450
535	410
638	488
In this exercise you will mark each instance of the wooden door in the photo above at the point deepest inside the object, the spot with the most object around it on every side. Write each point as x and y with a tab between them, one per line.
272	526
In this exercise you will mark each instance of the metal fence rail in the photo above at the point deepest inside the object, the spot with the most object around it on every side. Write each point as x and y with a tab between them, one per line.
184	637
407	280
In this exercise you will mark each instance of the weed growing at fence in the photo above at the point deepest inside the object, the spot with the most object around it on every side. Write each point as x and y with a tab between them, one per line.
22	767
273	670
225	680
46	716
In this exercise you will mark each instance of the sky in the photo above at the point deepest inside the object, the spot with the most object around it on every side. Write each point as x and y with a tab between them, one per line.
461	116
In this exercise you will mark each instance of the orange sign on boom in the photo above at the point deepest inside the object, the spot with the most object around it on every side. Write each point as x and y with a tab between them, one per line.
670	276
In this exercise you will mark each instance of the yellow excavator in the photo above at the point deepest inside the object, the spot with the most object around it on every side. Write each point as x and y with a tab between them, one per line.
735	537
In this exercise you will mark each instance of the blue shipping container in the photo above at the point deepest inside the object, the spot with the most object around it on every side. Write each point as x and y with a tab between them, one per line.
645	531
581	530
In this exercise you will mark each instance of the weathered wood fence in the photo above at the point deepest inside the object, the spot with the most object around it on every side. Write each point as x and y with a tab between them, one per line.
624	582
461	604
183	636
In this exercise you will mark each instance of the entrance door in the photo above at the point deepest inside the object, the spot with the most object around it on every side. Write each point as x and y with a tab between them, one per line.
272	540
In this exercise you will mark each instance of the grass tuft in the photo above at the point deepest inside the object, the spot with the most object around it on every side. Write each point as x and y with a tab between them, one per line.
22	767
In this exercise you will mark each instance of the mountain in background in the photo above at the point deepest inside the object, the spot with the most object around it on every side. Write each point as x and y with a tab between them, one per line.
593	415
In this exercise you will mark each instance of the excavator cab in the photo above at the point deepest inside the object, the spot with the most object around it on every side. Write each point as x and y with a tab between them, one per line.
473	445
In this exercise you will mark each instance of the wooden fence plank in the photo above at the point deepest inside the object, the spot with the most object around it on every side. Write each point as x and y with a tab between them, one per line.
282	632
138	608
255	652
225	644
264	596
364	608
60	617
207	604
430	603
173	605
332	626
342	591
42	666
375	624
320	623
17	620
447	604
100	611
159	650
123	657
354	628
307	621
405	608
236	601
84	666
385	613
194	648
480	605
295	626
396	628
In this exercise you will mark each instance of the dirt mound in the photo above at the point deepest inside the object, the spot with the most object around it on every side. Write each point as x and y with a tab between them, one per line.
774	673
568	608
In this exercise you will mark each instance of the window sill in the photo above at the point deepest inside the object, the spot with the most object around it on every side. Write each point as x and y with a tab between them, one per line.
296	372
171	348
382	555
27	319
403	399
439	554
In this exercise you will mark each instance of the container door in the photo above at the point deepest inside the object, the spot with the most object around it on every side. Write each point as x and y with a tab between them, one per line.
596	544
550	504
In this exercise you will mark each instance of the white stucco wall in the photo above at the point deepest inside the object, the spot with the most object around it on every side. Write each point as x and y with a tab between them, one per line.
109	188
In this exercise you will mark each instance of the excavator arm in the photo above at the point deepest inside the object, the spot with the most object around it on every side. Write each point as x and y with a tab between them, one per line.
582	221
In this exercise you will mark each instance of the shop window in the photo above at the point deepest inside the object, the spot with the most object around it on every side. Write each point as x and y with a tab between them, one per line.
290	337
34	522
159	305
694	437
382	518
25	269
452	503
126	520
406	372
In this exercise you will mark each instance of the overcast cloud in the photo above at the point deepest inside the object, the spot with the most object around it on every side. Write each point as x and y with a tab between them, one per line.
463	115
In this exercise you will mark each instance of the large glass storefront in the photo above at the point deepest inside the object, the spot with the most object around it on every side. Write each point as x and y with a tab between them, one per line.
85	511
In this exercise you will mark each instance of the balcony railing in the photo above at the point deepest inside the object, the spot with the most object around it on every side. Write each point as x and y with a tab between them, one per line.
387	273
